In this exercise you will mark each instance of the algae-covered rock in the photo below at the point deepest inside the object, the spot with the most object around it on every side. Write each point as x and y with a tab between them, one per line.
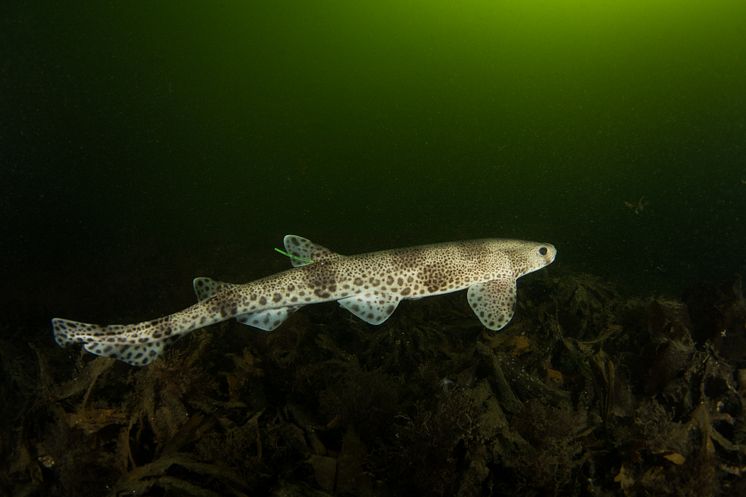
585	393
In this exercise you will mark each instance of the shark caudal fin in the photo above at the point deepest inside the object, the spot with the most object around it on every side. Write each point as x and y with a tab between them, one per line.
118	341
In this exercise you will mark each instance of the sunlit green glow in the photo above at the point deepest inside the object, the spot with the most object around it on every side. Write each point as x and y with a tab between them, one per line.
368	124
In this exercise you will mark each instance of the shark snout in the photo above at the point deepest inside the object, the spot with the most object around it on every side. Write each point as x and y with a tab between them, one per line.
551	253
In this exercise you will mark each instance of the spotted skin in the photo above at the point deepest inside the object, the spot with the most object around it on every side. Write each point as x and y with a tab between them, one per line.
369	285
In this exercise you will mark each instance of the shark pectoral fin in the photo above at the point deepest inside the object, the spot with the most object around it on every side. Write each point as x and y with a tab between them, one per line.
304	251
493	302
267	320
373	309
207	287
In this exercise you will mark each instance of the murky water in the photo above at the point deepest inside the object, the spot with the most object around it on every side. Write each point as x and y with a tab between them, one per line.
143	145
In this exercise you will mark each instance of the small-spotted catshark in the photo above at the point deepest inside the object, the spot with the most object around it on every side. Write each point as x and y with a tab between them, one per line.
368	285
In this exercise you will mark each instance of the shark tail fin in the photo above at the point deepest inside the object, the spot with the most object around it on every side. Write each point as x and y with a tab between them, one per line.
117	341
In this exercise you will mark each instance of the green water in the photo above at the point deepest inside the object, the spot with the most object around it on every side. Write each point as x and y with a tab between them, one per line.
145	144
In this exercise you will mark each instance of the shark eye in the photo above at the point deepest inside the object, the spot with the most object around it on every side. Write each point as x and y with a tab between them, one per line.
543	251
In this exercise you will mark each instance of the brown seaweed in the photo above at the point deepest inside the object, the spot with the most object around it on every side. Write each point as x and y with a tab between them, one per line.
586	393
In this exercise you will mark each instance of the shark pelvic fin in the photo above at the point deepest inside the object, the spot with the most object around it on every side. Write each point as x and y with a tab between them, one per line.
371	308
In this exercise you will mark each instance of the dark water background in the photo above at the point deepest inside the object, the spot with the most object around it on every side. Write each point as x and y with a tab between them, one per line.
145	144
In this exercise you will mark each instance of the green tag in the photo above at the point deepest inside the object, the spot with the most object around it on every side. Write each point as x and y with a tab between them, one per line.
302	260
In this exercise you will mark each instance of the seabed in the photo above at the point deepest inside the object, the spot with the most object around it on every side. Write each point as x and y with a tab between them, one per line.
586	393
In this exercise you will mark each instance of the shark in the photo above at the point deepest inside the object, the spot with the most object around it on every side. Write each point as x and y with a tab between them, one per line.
369	285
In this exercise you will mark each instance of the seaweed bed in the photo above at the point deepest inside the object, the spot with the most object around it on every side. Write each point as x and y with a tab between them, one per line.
586	392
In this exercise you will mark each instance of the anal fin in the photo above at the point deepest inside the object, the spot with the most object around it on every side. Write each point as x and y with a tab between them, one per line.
269	319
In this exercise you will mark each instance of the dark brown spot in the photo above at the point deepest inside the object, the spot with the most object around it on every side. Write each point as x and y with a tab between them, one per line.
406	291
276	297
320	275
262	300
227	310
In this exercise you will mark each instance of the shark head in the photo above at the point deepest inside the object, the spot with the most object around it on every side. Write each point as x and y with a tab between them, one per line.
528	257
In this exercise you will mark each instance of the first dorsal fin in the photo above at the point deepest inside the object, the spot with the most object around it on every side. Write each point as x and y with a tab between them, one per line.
303	251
